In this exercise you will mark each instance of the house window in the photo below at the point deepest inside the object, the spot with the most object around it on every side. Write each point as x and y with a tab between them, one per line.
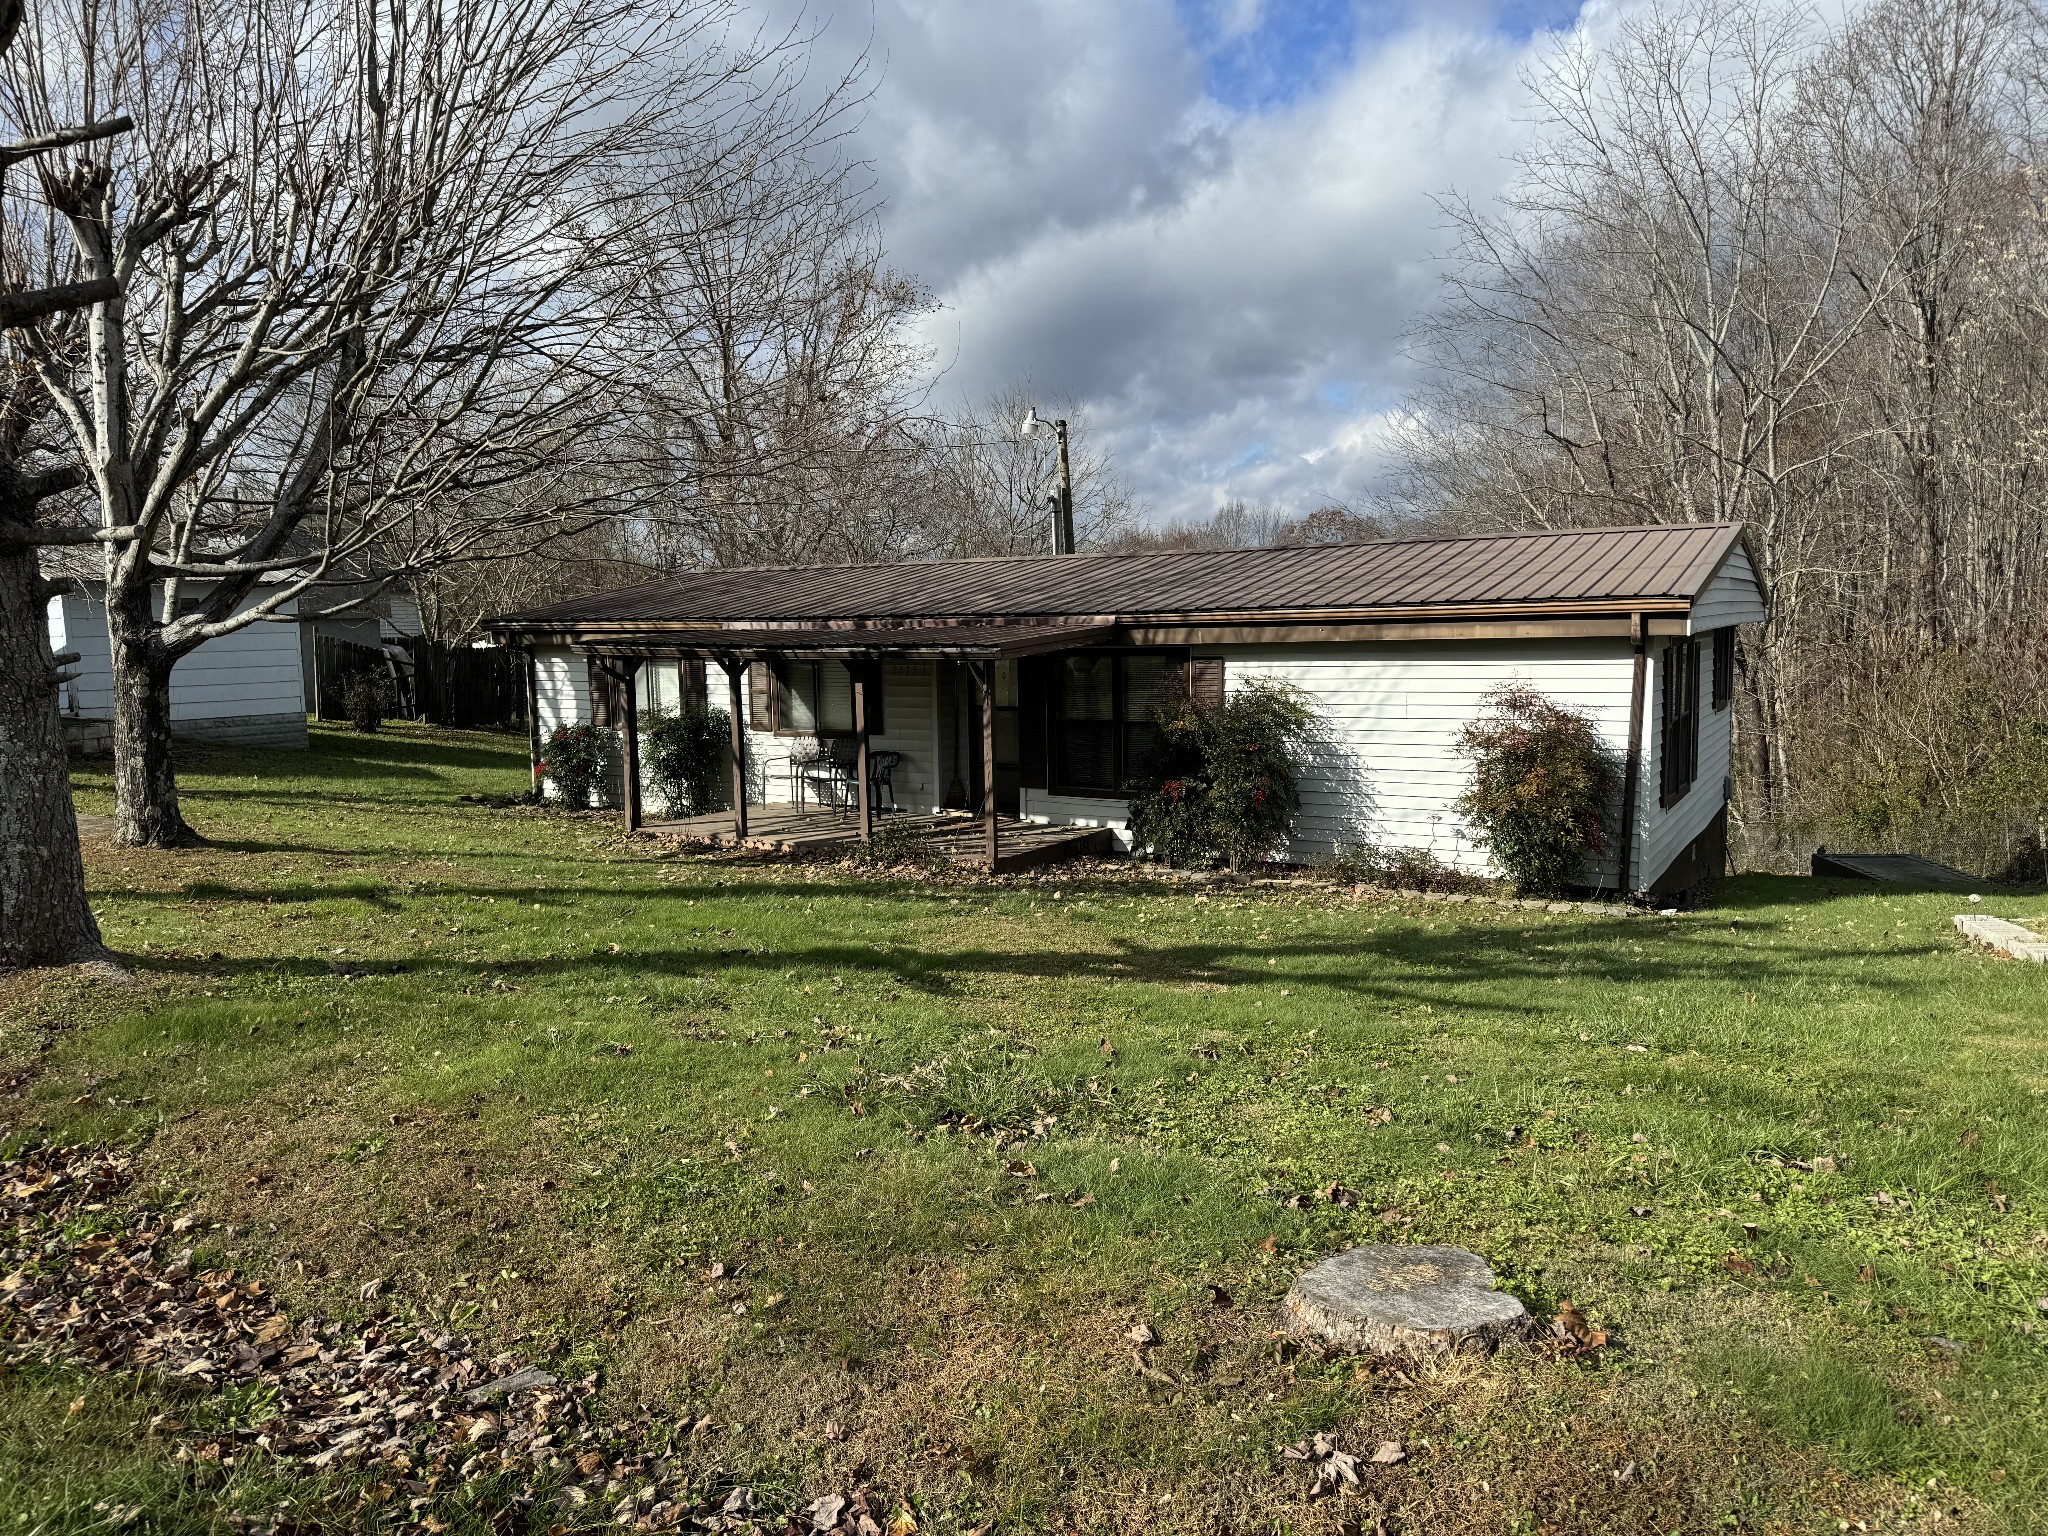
1724	667
1679	737
1009	716
1105	735
815	698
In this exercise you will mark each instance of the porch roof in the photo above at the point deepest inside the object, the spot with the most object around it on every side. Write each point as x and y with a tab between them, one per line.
959	641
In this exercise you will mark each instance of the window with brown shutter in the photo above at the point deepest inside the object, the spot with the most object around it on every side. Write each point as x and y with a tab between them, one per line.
760	697
1105	717
815	698
1678	745
1724	667
607	694
1205	679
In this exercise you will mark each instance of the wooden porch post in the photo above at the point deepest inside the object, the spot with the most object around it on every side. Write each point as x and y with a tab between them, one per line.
1639	644
735	669
629	770
985	674
858	671
532	716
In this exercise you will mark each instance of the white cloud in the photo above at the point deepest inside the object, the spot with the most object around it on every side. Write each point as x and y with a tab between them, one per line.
1227	290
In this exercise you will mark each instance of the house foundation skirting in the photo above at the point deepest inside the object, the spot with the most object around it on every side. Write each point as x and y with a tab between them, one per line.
87	737
285	731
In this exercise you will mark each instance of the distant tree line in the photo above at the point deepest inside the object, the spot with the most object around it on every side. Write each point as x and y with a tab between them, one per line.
1759	266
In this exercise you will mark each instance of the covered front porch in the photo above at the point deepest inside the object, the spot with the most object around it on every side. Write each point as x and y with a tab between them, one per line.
956	835
778	677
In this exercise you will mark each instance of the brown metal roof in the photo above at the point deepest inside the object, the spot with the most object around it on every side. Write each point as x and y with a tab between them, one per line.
964	640
1565	571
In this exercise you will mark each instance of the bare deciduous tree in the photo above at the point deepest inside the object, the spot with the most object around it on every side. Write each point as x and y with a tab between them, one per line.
987	486
362	280
45	918
1767	269
775	378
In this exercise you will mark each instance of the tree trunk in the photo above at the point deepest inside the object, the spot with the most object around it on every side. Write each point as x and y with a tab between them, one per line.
146	811
44	918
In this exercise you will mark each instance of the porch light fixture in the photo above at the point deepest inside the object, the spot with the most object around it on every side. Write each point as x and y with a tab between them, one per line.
1061	500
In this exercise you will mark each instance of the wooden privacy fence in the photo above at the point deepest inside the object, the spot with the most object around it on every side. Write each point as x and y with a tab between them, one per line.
475	688
335	661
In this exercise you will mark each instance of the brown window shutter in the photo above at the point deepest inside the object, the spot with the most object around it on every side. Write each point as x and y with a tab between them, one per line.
1205	680
1692	712
1724	667
1668	683
696	688
605	707
760	697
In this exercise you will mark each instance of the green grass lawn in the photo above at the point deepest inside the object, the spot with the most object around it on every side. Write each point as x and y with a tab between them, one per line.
958	1137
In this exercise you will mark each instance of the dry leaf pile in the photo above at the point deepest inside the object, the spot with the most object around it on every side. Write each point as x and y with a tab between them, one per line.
424	1423
1332	1470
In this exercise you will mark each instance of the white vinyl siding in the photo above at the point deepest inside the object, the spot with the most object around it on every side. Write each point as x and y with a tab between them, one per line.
78	623
1664	831
1387	769
1731	597
909	710
252	672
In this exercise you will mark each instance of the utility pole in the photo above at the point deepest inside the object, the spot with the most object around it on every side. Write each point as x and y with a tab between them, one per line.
1063	524
1060	502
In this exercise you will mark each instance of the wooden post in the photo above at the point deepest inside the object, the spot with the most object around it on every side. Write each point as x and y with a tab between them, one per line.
1638	629
532	716
859	673
629	768
734	671
985	674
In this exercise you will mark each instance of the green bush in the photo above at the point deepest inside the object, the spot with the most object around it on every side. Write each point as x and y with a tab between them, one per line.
1542	782
684	757
366	697
573	760
1226	780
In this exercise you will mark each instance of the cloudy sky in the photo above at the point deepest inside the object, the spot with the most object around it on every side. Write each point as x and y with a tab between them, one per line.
1210	221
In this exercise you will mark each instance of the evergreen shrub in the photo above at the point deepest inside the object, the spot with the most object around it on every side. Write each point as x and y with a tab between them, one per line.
1225	783
1542	783
573	760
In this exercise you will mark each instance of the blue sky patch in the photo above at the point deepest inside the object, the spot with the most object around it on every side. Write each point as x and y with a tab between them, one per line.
1289	49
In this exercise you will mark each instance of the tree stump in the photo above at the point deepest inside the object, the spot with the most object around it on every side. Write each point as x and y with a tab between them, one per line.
1421	1302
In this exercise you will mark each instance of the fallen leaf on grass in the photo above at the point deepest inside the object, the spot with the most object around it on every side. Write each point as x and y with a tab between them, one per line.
1390	1453
1570	1328
1142	1336
1017	1168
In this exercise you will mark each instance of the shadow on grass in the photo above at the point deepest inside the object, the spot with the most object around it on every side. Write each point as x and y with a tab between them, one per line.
1404	967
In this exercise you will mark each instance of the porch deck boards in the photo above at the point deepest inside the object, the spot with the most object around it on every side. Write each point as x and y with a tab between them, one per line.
774	828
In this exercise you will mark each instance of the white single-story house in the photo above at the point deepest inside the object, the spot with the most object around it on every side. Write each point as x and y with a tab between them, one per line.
243	688
1020	689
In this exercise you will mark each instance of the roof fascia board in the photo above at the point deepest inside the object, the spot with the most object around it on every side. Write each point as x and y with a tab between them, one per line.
592	631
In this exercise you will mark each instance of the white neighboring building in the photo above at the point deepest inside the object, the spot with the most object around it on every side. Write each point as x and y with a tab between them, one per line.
243	688
1396	643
